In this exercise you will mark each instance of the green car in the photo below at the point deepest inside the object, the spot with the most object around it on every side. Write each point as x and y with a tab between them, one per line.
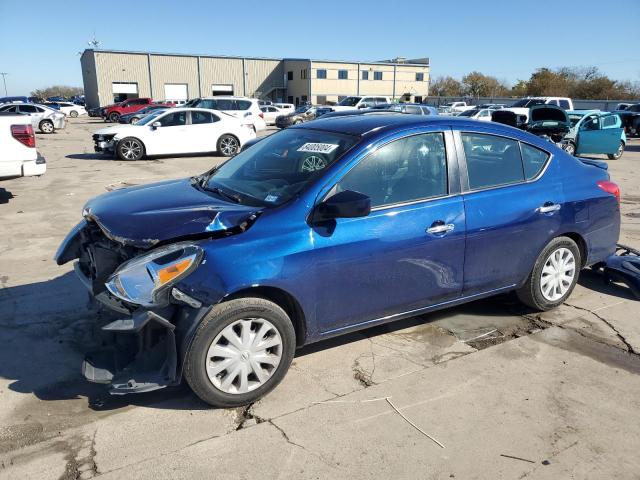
593	131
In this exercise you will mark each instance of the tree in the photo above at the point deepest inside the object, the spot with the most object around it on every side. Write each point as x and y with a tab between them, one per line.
57	91
476	84
445	87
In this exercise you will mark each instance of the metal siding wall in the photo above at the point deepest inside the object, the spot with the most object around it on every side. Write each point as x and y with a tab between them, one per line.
89	79
220	71
263	76
174	69
121	67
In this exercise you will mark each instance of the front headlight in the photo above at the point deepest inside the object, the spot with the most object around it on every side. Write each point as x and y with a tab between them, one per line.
145	280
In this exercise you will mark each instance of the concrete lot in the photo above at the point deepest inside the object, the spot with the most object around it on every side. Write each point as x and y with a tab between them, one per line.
508	393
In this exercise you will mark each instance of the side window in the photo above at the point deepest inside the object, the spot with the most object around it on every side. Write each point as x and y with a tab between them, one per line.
413	110
408	169
425	111
198	118
565	104
174	119
491	160
610	121
224	104
591	123
534	160
243	105
28	109
552	102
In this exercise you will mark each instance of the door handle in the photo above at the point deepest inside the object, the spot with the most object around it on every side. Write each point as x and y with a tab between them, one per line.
440	227
549	207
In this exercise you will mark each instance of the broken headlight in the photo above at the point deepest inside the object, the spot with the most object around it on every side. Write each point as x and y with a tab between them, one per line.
145	280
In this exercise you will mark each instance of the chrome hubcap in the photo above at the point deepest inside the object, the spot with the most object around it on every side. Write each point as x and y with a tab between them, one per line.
558	274
130	150
244	355
313	163
228	146
47	127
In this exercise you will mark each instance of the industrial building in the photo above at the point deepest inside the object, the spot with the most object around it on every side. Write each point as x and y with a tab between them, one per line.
110	76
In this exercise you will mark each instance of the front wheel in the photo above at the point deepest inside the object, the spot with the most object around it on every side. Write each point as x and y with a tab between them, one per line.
619	152
114	117
554	275
570	148
240	352
46	126
73	114
228	145
130	149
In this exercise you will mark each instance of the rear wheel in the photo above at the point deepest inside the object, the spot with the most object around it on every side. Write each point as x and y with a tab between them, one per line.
114	117
554	275
73	114
570	148
46	126
240	352
619	152
228	145
130	148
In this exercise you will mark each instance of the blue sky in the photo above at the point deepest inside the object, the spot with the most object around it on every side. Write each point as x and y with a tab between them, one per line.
40	40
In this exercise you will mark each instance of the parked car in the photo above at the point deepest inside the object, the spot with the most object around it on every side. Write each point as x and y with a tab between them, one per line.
95	111
547	121
239	107
285	107
304	113
595	132
264	103
623	106
56	99
522	106
356	102
113	113
175	131
453	108
630	117
18	154
45	119
494	106
407	108
136	116
70	109
482	114
326	228
270	113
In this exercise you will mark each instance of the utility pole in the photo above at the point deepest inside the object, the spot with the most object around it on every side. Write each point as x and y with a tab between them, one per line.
4	79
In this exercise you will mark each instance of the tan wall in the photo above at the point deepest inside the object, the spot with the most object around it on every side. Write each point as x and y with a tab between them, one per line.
332	85
263	76
297	87
89	79
121	67
221	71
406	81
173	69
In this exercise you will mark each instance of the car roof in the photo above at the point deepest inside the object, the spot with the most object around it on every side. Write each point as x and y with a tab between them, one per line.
362	125
583	112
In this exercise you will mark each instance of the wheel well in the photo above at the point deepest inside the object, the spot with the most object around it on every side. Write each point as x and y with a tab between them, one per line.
582	245
285	301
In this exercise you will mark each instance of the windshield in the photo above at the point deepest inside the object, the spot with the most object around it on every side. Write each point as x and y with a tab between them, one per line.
277	168
150	118
192	103
528	102
469	113
349	101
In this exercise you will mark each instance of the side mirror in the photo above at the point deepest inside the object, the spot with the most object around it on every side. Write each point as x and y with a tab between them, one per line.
346	204
155	125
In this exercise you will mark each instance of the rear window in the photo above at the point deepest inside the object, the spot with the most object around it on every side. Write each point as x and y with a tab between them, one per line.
533	159
243	105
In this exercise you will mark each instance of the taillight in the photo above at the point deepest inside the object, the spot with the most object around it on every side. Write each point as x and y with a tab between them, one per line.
611	188
261	115
24	134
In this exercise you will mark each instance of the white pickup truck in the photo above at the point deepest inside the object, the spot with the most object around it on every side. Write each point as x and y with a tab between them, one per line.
454	108
522	106
18	154
356	102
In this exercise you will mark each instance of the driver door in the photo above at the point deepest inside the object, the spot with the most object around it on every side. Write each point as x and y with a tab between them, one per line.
591	138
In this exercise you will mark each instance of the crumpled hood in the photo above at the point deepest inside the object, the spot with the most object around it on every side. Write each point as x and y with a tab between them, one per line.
145	215
115	129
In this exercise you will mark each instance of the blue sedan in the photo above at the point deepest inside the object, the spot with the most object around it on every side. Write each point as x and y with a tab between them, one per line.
326	228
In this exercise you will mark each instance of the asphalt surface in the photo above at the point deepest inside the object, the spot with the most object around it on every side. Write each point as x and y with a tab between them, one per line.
487	390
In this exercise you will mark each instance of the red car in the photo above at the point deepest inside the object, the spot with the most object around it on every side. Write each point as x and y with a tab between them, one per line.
113	112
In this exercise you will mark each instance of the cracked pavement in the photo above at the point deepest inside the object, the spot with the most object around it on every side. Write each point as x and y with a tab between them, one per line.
509	393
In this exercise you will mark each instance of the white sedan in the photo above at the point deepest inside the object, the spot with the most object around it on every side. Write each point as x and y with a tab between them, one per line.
71	109
176	132
270	113
482	114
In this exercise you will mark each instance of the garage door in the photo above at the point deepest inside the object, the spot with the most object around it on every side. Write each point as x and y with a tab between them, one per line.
176	91
221	90
126	88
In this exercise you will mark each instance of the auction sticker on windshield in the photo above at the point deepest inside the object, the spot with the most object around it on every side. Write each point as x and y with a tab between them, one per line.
318	147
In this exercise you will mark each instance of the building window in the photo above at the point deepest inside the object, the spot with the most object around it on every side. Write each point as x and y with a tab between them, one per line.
322	74
321	99
290	97
419	77
365	75
304	99
377	75
303	74
289	75
418	99
343	74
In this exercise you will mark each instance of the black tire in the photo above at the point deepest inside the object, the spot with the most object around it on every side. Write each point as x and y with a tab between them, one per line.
228	145
531	292
570	148
114	117
46	126
73	114
618	154
130	148
221	316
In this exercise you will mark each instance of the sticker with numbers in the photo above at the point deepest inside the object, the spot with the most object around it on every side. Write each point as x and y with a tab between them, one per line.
318	147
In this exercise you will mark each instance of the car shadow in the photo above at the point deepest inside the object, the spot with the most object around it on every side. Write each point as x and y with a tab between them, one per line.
88	156
594	281
632	147
5	195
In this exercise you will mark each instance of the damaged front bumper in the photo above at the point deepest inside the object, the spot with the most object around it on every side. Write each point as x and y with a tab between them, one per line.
104	143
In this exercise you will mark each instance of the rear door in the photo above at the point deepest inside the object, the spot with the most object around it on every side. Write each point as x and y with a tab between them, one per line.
513	207
171	137
408	253
203	132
